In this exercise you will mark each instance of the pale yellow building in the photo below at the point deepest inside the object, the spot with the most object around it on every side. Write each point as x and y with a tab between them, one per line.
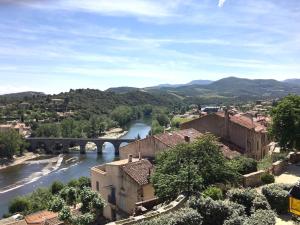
122	184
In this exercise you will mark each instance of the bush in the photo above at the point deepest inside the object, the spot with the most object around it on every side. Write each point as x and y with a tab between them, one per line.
244	165
19	205
261	217
243	197
239	220
56	187
260	202
216	212
213	192
277	196
267	178
57	204
184	216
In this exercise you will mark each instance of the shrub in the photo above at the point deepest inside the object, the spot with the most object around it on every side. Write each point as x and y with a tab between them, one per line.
244	165
215	212
184	216
57	204
243	197
277	196
261	217
213	192
19	205
56	187
260	202
267	178
239	220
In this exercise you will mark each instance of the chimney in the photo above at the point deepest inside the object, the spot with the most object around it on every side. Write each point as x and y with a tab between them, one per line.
226	123
140	156
130	158
187	139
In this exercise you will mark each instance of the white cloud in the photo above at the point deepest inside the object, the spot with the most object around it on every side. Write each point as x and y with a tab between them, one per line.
221	3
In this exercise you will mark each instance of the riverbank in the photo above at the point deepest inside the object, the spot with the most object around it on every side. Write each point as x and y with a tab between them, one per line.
5	163
115	133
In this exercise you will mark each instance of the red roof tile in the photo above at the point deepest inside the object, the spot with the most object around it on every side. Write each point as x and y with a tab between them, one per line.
40	217
139	171
176	137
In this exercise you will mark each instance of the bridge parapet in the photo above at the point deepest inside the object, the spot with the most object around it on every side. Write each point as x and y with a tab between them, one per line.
59	145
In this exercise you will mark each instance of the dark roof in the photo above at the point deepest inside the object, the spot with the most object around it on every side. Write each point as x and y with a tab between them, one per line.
139	171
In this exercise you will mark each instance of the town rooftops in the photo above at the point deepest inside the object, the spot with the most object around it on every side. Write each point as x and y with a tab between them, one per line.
39	218
245	121
177	137
139	171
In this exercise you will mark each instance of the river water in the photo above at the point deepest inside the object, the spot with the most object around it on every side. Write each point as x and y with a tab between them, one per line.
23	179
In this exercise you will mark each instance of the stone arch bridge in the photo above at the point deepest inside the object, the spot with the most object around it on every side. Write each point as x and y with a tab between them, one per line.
59	145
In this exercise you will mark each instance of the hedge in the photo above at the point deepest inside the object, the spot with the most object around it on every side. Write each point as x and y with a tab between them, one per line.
184	216
261	217
215	212
277	196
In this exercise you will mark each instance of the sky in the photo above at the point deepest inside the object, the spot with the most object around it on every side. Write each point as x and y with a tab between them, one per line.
55	45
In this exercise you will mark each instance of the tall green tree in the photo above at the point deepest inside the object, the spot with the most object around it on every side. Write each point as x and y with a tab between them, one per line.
285	126
122	114
11	143
189	168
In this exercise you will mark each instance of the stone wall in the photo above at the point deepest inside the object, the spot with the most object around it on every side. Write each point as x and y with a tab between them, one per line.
148	147
279	167
253	179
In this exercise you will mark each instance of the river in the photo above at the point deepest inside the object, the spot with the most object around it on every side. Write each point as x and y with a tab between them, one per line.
23	179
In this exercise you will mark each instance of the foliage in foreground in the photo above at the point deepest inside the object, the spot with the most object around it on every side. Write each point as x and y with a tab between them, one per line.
53	197
277	196
184	216
189	168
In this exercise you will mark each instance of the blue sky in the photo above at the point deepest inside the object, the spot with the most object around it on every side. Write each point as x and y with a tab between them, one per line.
55	45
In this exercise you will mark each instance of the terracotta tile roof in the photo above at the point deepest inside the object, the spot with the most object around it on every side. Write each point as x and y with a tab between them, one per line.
230	150
40	217
176	137
244	121
139	171
53	221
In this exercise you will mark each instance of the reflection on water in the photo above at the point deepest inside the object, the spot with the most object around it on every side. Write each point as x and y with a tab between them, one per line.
42	174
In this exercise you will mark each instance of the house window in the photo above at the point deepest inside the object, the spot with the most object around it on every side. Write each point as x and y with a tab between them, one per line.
97	185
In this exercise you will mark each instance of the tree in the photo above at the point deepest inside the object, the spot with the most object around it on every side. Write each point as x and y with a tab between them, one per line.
11	143
84	182
65	214
57	204
189	168
122	114
285	126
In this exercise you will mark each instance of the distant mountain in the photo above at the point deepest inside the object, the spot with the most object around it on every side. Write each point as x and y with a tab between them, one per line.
21	95
292	81
231	89
122	90
200	82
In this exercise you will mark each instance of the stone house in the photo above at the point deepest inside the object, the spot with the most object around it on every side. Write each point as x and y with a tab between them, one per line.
122	184
151	145
249	134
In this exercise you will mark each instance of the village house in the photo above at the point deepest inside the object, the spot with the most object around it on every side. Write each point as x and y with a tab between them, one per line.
21	128
122	184
151	145
249	134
